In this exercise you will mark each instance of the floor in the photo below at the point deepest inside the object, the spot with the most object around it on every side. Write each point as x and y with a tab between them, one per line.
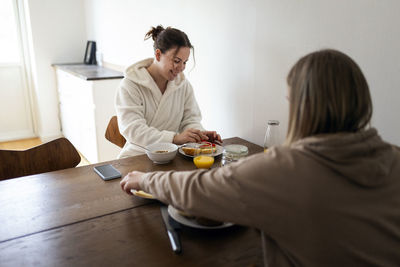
28	143
20	144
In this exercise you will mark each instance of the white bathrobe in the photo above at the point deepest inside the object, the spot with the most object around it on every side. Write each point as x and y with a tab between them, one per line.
145	116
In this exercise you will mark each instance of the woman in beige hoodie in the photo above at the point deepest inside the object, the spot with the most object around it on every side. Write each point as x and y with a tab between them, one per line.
329	197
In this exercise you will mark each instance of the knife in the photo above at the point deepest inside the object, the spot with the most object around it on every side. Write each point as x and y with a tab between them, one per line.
171	226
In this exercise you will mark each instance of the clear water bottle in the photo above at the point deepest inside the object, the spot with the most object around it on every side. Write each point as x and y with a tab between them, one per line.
272	137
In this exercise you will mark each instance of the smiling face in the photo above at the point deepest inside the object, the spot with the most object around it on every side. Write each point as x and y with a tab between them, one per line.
172	62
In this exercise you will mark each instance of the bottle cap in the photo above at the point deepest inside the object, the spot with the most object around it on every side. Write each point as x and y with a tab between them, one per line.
273	122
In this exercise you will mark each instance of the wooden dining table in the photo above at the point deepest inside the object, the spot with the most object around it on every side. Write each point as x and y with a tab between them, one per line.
72	217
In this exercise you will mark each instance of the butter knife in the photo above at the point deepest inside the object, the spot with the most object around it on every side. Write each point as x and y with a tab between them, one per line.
171	226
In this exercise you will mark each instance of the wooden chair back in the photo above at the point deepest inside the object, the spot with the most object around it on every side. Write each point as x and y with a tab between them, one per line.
51	156
112	133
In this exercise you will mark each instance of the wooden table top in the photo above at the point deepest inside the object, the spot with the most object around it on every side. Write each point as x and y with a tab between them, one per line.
72	217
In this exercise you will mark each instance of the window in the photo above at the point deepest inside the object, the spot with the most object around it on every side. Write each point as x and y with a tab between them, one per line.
9	43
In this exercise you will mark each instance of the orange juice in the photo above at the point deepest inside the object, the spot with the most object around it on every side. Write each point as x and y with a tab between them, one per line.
203	162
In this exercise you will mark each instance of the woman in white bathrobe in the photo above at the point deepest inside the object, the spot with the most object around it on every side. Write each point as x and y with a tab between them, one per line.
155	102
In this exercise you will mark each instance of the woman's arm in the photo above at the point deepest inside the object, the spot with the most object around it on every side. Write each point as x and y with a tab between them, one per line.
202	193
238	192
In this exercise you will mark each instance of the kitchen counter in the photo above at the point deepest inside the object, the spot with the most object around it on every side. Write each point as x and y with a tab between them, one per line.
89	72
86	96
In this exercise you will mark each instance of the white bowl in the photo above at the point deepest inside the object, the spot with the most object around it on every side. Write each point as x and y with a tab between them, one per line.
162	158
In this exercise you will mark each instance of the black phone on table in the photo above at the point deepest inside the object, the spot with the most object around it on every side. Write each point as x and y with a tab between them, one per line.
107	172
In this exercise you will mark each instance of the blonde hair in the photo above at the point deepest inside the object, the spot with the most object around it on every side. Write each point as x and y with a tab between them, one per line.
327	94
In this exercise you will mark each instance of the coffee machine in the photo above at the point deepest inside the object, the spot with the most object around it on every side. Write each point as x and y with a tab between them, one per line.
90	53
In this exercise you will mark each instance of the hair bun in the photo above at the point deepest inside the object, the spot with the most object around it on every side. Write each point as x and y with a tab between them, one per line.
167	38
154	32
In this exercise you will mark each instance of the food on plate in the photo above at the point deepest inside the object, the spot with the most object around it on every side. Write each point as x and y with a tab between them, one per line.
185	214
200	220
207	147
189	150
203	148
208	150
161	151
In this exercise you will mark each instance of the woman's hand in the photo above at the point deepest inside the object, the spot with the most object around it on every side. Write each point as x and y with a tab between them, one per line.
189	136
131	181
212	136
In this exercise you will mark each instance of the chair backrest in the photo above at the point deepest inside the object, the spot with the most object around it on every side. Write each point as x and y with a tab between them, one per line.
112	133
51	156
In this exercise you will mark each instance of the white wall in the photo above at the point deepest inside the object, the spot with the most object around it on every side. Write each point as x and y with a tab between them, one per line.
58	35
244	50
367	30
223	77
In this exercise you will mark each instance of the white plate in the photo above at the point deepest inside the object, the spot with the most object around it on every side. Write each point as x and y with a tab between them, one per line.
219	151
192	223
139	194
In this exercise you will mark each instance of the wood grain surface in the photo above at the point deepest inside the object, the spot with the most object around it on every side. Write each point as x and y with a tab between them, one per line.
136	237
112	133
55	155
74	218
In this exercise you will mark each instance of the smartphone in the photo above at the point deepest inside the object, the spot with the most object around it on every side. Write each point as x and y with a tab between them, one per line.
107	172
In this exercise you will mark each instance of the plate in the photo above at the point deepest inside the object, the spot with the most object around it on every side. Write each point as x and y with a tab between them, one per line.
191	222
219	151
142	194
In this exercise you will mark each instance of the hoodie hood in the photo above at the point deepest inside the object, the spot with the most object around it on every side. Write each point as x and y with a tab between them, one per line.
139	74
361	157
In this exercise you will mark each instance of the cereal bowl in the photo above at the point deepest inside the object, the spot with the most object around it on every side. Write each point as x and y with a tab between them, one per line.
161	153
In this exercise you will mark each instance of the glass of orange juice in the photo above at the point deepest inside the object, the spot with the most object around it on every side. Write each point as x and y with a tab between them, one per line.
203	159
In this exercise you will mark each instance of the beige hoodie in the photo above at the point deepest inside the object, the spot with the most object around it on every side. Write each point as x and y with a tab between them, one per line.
328	200
145	116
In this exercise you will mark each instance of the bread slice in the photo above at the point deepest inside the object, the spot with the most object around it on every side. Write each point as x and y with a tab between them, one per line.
189	150
192	150
208	150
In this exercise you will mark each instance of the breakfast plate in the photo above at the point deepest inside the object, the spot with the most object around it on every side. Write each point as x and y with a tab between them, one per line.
218	150
142	194
174	213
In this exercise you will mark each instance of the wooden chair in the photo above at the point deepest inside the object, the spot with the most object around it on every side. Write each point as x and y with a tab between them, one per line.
51	156
112	133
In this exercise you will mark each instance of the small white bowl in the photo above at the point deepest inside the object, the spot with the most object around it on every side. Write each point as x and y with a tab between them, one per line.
161	158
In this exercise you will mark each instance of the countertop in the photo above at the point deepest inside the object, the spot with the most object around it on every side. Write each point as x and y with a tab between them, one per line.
89	72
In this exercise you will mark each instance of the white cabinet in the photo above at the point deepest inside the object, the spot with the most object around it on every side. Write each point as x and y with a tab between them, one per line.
86	106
